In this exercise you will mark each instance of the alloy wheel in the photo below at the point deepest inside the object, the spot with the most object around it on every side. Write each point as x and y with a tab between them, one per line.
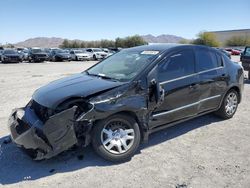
231	103
117	137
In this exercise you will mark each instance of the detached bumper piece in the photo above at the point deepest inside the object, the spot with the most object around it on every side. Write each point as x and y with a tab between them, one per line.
42	140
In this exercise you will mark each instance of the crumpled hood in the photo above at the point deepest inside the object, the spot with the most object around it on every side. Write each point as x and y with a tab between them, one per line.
78	85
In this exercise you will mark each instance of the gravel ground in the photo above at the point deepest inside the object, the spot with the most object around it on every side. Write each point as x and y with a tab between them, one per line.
204	152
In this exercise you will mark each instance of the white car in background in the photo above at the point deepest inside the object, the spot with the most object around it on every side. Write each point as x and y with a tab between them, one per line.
97	53
109	52
79	55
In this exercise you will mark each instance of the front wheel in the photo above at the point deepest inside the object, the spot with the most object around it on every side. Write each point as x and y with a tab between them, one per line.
249	75
229	105
116	138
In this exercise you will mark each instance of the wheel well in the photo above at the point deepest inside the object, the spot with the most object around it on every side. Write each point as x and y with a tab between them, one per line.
238	91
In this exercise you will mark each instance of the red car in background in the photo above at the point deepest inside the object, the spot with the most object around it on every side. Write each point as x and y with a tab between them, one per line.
233	51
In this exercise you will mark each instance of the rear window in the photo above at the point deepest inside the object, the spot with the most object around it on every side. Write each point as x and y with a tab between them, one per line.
206	60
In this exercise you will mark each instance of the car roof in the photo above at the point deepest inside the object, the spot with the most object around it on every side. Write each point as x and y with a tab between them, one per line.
165	47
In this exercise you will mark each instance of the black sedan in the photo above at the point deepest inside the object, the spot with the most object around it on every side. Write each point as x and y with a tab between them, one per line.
60	55
10	56
118	102
37	55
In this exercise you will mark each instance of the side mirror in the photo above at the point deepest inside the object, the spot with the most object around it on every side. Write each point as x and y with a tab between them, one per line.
157	92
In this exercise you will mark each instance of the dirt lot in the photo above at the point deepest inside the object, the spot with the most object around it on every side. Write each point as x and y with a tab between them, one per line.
204	152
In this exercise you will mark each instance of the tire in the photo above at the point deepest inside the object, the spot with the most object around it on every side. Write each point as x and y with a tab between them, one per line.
94	57
76	58
54	59
115	127
229	105
249	75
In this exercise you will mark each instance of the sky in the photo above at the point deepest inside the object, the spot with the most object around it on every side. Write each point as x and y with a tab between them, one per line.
108	19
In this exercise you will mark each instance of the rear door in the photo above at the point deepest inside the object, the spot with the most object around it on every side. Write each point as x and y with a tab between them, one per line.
176	75
212	76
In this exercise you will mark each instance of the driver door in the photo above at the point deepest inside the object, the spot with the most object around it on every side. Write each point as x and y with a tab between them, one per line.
176	76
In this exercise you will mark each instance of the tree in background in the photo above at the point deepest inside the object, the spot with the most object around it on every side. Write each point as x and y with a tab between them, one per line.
206	38
238	41
127	42
65	43
185	41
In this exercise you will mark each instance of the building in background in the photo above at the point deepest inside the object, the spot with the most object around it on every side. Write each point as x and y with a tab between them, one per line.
223	36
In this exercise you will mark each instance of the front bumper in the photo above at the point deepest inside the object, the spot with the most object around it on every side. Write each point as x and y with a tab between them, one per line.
42	140
64	58
11	60
84	57
37	58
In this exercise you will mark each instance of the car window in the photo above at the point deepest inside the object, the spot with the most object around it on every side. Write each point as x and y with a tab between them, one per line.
206	60
247	51
219	60
177	65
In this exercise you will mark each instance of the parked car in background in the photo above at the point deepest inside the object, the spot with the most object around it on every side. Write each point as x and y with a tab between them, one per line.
1	51
228	54
117	103
97	53
79	55
24	53
59	55
245	60
10	56
233	51
37	55
109	52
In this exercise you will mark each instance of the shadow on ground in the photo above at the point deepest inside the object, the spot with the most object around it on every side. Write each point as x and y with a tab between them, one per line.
17	167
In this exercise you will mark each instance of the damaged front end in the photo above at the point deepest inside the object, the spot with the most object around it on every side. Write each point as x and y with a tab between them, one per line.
42	138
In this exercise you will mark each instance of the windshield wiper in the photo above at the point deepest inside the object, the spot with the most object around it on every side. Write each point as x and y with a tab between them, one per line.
103	76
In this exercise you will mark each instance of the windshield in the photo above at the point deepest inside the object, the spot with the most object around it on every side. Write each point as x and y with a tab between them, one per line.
78	51
123	66
37	50
9	52
61	51
97	50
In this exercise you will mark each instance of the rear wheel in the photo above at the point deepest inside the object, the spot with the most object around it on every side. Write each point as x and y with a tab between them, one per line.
229	105
116	138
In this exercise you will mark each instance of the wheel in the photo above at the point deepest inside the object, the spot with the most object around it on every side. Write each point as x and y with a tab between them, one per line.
94	57
229	105
116	138
76	58
249	75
